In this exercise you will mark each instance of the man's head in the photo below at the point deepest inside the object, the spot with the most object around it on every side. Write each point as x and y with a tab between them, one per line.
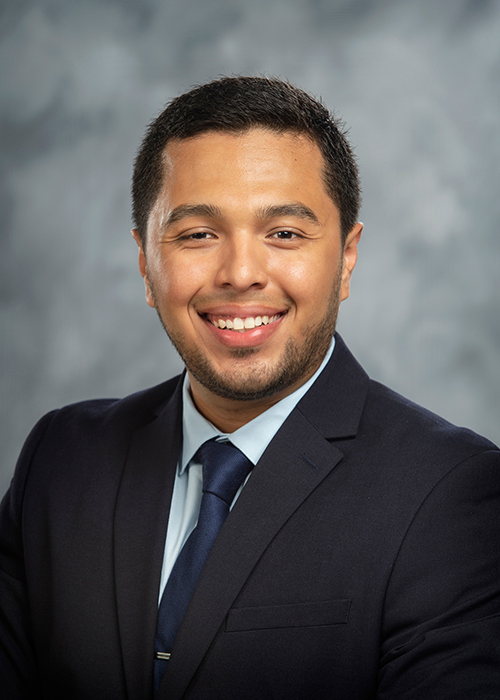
248	254
235	105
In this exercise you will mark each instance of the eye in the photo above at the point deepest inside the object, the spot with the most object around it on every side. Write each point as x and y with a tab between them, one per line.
197	236
285	235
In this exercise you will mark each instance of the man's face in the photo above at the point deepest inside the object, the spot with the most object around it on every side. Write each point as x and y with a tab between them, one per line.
244	261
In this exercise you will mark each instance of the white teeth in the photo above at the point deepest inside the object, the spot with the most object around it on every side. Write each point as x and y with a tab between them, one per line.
248	323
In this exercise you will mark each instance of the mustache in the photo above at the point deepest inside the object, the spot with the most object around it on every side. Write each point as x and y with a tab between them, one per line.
231	296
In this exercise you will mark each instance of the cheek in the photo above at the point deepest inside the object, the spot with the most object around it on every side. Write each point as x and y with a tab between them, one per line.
176	282
308	283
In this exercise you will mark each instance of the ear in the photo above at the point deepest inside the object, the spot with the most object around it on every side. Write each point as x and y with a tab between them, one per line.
143	268
349	258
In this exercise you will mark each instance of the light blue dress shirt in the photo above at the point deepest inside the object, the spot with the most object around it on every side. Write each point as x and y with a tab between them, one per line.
252	439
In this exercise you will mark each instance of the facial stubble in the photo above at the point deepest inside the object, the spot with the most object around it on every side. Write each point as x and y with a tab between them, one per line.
299	361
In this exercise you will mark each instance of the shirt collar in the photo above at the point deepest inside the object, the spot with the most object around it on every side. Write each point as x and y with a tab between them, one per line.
253	437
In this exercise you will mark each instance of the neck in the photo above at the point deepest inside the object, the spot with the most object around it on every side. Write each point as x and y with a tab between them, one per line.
227	415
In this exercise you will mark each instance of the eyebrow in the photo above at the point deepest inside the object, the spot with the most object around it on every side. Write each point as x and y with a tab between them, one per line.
295	209
185	210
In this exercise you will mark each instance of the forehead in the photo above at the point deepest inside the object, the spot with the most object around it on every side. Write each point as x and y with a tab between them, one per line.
243	163
252	139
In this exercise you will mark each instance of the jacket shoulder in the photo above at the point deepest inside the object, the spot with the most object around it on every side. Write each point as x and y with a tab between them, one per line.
89	432
129	412
407	428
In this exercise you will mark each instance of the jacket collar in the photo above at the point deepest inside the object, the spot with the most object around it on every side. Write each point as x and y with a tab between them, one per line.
345	383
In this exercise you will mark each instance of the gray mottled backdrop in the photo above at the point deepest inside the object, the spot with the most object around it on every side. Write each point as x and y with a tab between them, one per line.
416	80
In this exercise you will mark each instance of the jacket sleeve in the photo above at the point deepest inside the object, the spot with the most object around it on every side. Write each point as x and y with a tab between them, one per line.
441	637
18	666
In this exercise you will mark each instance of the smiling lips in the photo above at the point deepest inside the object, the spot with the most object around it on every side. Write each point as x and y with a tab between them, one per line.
240	325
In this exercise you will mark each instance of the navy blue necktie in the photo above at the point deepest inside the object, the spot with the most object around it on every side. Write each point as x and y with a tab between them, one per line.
224	470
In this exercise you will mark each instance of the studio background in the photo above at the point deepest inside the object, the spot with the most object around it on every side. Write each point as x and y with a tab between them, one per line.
416	81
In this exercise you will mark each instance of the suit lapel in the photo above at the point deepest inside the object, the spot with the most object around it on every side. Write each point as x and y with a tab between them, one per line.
140	525
294	464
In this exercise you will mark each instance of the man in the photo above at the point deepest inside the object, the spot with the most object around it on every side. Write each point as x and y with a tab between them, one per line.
360	559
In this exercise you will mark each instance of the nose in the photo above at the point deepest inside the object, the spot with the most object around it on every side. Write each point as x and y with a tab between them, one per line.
242	263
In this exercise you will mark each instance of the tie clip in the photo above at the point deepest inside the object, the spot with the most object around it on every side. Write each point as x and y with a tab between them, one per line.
163	655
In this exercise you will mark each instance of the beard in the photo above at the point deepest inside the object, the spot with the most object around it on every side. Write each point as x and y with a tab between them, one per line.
252	379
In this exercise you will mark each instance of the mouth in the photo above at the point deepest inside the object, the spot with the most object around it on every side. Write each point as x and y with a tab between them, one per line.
242	324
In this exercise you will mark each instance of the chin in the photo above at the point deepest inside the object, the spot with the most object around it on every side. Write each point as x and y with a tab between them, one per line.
260	380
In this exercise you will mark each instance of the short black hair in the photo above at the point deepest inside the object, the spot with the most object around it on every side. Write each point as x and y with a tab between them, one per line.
236	104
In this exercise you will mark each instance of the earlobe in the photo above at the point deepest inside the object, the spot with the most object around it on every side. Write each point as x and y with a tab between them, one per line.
350	258
143	268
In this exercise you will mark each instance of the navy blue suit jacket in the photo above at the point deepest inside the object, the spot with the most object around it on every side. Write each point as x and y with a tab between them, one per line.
360	562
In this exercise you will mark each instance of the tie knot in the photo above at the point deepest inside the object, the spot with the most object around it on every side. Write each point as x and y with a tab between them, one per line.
224	469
